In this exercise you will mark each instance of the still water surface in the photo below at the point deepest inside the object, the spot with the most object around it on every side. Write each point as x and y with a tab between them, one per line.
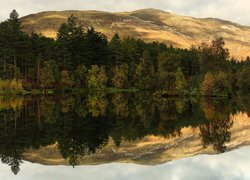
124	136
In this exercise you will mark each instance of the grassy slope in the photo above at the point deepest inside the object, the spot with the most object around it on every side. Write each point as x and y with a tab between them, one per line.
150	25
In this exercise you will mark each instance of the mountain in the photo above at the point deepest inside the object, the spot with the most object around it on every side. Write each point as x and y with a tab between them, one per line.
149	25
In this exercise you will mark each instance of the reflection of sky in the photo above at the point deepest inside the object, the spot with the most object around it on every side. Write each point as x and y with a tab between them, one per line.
230	165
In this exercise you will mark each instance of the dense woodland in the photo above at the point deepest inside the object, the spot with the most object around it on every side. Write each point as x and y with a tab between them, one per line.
81	58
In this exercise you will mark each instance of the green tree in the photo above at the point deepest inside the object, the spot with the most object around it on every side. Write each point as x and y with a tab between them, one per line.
97	77
42	48
70	41
80	76
116	49
244	77
145	77
102	77
214	57
47	75
168	64
67	81
120	76
180	81
96	51
14	46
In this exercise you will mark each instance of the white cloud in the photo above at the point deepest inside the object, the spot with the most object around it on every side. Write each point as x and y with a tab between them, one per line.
228	166
237	11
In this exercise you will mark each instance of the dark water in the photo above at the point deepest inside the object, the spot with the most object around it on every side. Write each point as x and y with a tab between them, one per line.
80	127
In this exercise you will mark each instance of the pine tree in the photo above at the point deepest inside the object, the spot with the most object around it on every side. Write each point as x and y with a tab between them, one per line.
96	48
117	55
70	41
14	45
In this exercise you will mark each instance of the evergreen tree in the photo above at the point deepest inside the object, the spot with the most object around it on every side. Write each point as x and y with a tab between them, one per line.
115	47
70	41
14	45
96	51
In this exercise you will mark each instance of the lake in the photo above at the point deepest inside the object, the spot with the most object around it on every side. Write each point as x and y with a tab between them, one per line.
124	136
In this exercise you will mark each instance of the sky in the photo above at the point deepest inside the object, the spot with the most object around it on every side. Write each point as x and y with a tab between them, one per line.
232	165
237	11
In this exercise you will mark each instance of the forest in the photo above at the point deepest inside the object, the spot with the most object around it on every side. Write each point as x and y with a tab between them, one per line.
82	58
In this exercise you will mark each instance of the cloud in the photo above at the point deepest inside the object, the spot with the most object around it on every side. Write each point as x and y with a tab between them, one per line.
223	9
229	166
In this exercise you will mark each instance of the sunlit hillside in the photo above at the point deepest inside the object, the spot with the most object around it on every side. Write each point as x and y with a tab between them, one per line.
150	25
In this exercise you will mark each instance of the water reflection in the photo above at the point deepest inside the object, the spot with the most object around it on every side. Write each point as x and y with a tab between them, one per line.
205	167
81	125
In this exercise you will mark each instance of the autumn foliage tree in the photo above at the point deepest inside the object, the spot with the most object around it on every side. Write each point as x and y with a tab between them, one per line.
180	81
120	76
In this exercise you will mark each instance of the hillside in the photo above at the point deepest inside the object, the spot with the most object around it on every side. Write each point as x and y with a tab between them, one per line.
150	25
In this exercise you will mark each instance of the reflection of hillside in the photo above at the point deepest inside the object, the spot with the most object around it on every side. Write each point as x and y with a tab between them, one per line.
98	128
150	150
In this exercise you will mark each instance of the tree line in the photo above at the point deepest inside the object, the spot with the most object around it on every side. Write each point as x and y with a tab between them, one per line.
81	57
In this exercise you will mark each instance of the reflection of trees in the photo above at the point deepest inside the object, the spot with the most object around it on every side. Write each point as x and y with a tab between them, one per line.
244	102
77	136
12	103
97	103
82	125
13	160
47	106
9	153
147	111
215	131
180	105
120	103
67	103
19	131
168	119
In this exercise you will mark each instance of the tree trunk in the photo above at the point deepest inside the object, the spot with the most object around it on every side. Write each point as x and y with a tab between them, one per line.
14	63
38	71
39	113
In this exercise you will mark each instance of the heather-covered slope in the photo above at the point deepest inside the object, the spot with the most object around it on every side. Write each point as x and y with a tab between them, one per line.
150	25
